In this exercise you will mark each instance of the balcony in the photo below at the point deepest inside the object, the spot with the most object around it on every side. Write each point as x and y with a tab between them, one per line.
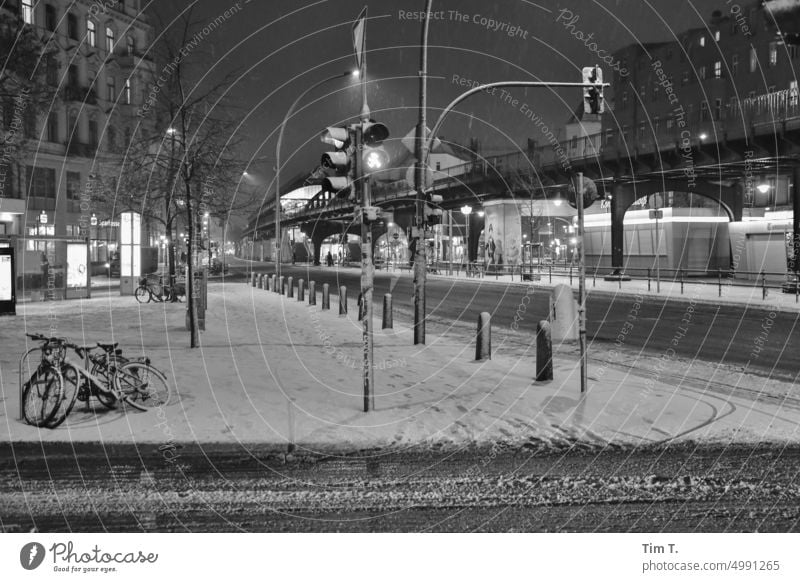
76	93
81	150
133	60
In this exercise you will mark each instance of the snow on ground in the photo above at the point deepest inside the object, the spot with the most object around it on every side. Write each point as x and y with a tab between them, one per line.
272	369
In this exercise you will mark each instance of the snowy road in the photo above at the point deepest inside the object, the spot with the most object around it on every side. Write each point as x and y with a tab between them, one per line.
227	488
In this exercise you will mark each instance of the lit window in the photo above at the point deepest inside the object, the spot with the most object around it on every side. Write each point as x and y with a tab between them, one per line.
773	54
91	32
702	41
716	36
753	59
127	91
718	70
131	45
27	11
109	39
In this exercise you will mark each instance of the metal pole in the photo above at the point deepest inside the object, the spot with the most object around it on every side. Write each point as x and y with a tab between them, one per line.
367	266
421	153
581	284
450	241
658	250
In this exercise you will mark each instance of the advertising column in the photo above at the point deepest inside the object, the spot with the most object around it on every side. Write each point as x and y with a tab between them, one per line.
8	299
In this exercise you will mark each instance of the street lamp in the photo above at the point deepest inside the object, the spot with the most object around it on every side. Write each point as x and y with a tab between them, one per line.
466	210
278	162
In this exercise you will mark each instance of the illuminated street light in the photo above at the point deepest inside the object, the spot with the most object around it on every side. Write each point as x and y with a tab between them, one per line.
763	188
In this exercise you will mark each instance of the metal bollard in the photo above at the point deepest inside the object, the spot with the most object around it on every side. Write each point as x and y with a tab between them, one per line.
544	352
763	285
342	300
272	283
290	287
312	293
253	279
388	319
326	296
301	290
280	285
483	344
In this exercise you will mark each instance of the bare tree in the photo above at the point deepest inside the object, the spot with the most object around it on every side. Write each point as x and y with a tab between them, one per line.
184	162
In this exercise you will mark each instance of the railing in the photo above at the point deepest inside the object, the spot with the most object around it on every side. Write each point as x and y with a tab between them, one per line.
85	95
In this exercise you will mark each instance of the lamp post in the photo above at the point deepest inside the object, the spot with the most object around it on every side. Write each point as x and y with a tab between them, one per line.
466	210
278	162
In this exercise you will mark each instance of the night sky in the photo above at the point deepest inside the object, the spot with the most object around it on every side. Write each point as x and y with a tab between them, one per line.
283	47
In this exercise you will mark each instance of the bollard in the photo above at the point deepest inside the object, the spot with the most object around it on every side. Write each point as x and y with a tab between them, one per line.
281	283
253	279
388	320
342	300
544	352
648	278
262	281
301	290
272	283
326	296
763	285
312	293
483	344
290	287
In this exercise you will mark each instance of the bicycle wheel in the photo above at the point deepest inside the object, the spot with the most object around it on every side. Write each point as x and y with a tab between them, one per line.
71	384
142	386
106	398
143	294
42	395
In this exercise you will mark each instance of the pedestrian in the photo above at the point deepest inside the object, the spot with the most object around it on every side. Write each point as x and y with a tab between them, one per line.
329	259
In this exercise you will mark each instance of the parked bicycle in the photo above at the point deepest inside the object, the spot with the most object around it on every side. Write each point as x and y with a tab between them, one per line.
104	374
43	391
151	289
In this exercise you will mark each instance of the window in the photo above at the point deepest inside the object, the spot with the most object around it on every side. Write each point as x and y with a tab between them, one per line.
93	133
91	33
701	72
50	20
718	69
793	93
624	99
669	53
685	78
72	26
641	92
111	138
29	123
625	132
127	91
109	39
773	54
670	123
609	136
72	76
753	59
735	64
51	70
72	126
573	144
716	36
52	128
27	11
702	41
131	45
717	109
656	125
111	89
641	129
73	186
42	182
655	92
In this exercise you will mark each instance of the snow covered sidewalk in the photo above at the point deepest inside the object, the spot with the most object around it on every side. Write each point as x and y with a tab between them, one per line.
272	369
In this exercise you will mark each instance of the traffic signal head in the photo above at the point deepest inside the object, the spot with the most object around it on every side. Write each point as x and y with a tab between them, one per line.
432	209
375	158
593	101
338	164
590	193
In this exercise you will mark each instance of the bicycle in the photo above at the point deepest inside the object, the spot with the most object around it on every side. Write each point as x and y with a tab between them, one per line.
111	379
152	290
44	390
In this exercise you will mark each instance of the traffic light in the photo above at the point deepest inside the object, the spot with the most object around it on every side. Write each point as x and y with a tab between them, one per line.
433	210
593	96
590	193
375	157
339	164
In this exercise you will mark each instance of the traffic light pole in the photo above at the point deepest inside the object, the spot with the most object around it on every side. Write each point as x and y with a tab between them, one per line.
421	148
581	284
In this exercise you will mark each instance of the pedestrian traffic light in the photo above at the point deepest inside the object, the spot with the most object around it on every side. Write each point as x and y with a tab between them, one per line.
593	96
338	164
374	156
590	193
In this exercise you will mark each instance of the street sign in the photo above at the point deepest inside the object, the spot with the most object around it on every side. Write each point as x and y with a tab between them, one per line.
395	236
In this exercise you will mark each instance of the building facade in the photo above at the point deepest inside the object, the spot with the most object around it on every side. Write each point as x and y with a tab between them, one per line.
62	183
